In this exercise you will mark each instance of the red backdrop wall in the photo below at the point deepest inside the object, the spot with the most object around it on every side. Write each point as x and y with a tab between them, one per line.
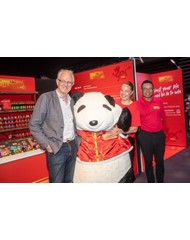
106	79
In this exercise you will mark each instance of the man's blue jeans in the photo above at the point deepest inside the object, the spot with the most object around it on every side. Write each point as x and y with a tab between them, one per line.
62	164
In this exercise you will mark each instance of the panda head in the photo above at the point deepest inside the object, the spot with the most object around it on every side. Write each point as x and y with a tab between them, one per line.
96	112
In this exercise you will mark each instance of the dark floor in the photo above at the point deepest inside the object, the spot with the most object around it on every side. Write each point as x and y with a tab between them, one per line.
177	167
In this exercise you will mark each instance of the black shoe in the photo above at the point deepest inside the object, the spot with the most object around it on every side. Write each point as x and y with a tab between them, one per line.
133	178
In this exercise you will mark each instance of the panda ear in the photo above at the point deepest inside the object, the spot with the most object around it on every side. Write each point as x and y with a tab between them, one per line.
110	100
124	121
76	96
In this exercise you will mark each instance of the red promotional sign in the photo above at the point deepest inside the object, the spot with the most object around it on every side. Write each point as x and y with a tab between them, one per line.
16	84
106	79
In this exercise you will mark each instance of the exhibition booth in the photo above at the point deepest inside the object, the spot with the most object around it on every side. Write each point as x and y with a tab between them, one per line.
168	86
22	160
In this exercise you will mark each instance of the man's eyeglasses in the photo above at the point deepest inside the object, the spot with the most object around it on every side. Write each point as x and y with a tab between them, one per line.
65	82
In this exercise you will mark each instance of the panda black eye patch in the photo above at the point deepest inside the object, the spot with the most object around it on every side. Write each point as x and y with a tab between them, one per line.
81	108
107	107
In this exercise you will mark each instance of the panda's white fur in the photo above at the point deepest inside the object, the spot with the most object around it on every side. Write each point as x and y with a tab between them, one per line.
92	113
110	171
93	103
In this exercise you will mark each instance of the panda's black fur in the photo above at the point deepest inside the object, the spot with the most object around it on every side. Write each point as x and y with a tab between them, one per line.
76	96
124	121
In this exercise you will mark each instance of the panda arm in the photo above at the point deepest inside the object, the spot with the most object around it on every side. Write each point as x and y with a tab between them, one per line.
124	122
123	125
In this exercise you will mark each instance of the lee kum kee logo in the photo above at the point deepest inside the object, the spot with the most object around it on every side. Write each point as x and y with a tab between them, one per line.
168	78
12	84
97	75
156	107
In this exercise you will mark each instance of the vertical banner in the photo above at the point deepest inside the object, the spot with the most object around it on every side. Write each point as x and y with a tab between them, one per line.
169	87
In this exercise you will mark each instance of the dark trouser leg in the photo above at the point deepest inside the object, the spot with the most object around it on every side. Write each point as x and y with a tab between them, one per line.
127	177
70	163
131	154
56	167
146	144
61	165
159	149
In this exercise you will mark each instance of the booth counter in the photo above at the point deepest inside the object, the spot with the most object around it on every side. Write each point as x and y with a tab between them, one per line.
25	167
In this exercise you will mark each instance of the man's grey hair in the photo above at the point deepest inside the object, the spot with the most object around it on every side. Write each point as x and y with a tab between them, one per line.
68	71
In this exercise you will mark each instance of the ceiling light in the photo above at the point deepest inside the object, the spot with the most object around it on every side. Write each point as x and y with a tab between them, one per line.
171	60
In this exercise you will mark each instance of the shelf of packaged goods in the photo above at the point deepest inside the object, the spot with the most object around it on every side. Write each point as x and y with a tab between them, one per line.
17	93
19	156
12	129
12	111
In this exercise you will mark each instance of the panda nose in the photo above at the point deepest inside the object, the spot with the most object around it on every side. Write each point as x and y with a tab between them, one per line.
93	122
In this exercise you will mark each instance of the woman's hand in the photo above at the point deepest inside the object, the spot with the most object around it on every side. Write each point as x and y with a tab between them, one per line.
114	131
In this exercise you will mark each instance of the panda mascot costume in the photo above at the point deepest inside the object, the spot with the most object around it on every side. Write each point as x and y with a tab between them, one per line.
101	158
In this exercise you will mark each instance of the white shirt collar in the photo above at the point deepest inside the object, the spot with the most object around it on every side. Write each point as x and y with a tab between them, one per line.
61	97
